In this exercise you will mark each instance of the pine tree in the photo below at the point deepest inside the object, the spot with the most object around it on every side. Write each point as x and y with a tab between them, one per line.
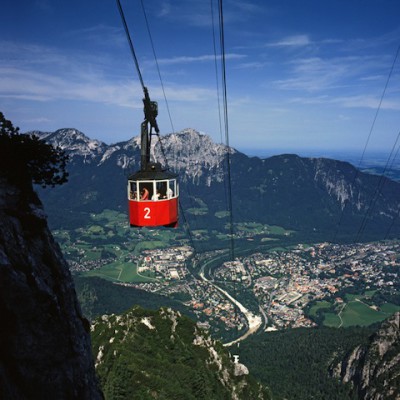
25	157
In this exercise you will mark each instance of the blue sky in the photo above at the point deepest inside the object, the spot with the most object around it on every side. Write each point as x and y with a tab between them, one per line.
300	74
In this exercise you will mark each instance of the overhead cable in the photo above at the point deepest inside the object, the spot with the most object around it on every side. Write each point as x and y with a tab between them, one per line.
128	36
362	226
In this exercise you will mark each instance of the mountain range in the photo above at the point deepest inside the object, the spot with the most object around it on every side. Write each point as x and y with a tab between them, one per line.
312	196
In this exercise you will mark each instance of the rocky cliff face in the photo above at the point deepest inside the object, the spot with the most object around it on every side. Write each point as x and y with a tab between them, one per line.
45	341
374	368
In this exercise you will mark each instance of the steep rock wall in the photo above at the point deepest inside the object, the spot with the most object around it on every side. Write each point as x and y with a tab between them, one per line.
374	368
45	341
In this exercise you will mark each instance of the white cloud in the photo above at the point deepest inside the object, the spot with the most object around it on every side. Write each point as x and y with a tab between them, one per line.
38	120
253	65
164	10
317	74
100	35
291	41
185	93
368	102
360	101
196	59
25	84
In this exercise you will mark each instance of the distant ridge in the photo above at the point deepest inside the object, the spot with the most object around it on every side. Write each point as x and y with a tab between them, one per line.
308	195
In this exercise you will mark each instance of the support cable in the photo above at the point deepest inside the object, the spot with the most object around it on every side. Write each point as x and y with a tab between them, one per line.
379	106
128	36
226	124
394	220
218	88
145	91
216	69
377	191
157	65
228	155
186	225
182	213
365	148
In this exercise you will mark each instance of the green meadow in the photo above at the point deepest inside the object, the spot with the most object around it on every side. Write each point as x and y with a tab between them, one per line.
354	311
358	313
109	237
319	305
120	272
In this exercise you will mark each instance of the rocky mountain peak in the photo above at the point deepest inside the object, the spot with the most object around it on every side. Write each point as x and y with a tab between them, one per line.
194	141
194	155
74	142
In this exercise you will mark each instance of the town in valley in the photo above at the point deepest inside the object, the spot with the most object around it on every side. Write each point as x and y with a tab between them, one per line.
284	287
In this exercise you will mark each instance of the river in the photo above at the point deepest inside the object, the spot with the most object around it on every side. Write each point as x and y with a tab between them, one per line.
254	321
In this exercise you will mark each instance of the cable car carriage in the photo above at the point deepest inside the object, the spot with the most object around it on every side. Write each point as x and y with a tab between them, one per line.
153	192
153	197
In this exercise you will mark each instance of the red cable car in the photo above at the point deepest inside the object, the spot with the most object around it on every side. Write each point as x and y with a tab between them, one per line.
153	193
153	198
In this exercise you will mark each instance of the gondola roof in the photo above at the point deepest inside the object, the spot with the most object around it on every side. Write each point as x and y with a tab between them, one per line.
152	172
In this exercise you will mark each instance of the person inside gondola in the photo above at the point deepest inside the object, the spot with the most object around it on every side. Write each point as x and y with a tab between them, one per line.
169	193
156	196
144	195
132	191
161	189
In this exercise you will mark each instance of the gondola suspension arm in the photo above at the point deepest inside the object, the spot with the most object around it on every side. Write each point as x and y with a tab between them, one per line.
150	107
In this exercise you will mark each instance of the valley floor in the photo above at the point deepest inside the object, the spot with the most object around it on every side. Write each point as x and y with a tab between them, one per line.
289	285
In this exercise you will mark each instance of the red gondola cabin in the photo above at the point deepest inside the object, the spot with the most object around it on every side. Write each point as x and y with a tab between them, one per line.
153	197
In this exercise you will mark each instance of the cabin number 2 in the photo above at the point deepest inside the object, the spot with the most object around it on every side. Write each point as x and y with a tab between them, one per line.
147	213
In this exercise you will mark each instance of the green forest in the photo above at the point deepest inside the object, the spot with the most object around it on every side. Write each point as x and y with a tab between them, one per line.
98	297
296	363
145	354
